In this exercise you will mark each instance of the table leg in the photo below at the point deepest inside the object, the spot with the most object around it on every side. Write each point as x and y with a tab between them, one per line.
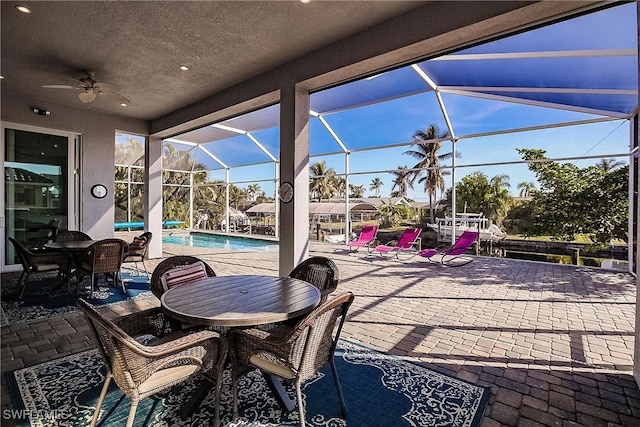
275	384
198	396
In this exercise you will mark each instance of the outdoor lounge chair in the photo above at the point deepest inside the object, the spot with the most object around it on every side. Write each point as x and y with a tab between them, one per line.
460	247
406	244
365	239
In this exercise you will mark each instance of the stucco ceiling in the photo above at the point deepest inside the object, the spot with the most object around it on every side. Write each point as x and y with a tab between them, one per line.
140	46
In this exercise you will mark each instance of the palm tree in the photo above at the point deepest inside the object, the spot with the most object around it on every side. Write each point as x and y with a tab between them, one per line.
526	188
376	184
236	195
499	197
340	185
389	215
402	181
427	145
607	165
252	191
321	183
356	191
130	153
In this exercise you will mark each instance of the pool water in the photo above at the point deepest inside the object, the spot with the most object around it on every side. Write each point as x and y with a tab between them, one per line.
203	240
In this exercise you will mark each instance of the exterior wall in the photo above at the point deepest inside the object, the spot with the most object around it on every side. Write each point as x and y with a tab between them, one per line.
97	131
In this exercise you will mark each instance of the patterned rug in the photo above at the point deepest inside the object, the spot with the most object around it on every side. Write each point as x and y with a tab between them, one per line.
40	301
380	390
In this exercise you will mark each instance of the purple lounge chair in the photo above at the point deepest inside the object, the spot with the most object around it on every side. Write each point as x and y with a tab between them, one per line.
406	244
365	239
460	247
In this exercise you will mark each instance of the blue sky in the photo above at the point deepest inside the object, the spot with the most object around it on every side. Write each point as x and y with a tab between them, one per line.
389	107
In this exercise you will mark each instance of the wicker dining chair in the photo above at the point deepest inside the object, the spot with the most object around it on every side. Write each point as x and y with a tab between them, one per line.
71	236
174	263
142	370
321	272
170	263
292	354
103	257
137	251
33	262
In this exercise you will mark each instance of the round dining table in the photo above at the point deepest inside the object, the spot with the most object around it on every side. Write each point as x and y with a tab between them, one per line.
75	248
70	246
240	300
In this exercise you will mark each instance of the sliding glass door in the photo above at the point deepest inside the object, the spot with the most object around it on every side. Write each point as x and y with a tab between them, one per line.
39	186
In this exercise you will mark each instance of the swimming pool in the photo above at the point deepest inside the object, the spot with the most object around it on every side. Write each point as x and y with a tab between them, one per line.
216	241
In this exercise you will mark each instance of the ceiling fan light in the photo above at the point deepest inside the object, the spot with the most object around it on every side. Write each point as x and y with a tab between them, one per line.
87	96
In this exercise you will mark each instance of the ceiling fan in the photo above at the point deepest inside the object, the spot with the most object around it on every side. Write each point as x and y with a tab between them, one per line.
91	89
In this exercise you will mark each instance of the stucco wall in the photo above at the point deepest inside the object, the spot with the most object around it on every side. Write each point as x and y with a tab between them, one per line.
97	132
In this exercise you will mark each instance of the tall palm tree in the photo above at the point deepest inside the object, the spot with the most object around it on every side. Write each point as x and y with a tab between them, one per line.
427	145
607	165
252	191
526	188
402	181
321	183
376	184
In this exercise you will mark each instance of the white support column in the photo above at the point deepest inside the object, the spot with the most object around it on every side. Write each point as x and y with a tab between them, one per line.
191	217
294	168
153	194
226	207
275	196
630	241
347	214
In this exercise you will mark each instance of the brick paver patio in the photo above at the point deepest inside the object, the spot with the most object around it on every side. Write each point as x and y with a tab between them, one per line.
554	342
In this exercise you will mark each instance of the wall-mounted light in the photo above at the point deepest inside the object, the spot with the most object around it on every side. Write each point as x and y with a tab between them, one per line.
41	111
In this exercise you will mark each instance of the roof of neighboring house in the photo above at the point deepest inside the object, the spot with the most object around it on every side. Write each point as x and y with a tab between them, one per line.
375	201
23	175
318	208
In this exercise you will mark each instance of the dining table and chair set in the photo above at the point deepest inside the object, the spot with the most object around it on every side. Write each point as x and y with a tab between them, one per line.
74	255
285	327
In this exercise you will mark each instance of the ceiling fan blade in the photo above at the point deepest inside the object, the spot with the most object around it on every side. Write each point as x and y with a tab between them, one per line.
106	87
116	96
58	87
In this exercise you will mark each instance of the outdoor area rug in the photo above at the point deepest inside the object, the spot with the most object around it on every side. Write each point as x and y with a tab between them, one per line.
380	390
40	302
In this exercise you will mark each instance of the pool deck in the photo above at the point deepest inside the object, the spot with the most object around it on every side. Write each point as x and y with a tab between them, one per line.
554	342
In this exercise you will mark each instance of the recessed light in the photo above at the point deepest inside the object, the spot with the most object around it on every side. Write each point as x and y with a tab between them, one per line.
123	104
305	1
184	68
23	9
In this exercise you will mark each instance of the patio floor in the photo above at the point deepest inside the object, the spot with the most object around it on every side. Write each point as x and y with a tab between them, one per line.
554	342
